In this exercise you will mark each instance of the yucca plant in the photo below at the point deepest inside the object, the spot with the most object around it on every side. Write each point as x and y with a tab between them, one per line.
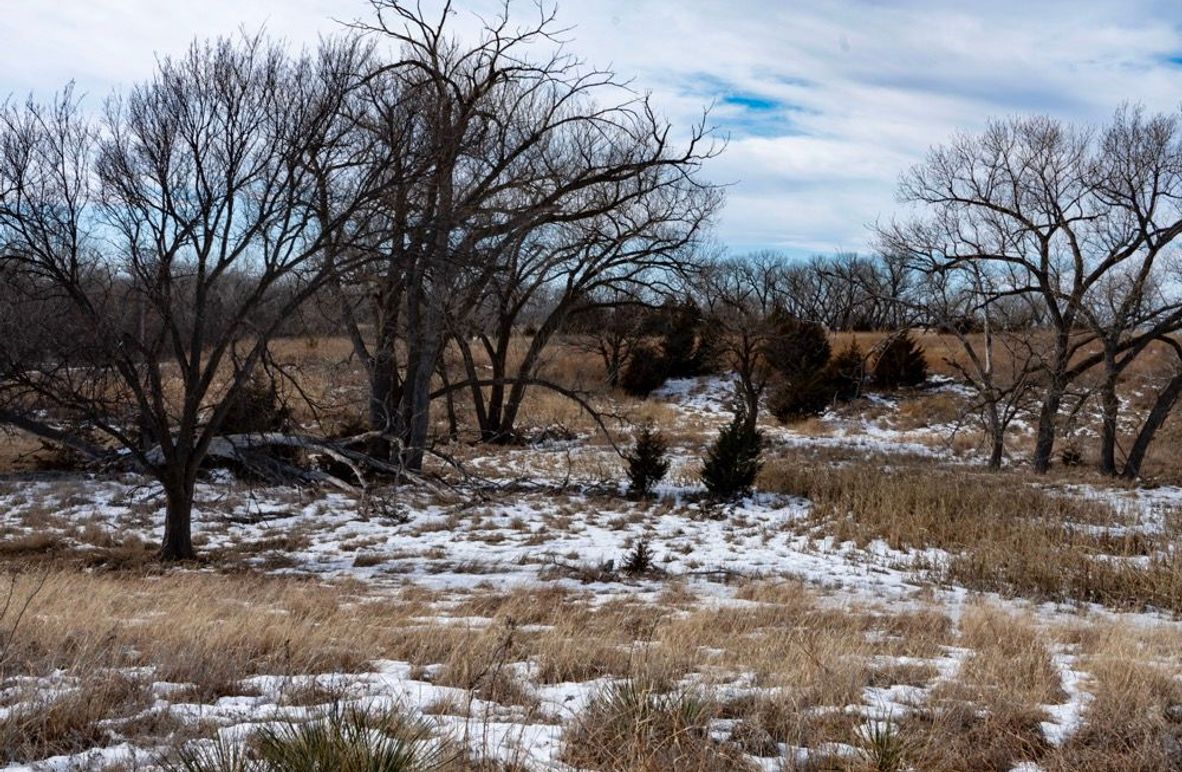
633	725
217	755
348	739
883	746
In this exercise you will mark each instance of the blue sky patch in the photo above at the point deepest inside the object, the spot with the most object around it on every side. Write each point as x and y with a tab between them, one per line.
751	102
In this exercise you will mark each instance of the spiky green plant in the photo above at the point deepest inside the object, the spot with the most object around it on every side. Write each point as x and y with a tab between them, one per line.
883	746
217	755
633	725
347	739
350	739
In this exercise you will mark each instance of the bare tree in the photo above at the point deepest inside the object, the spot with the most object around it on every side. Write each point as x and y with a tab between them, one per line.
998	362
634	249
612	326
1056	211
174	237
508	151
740	295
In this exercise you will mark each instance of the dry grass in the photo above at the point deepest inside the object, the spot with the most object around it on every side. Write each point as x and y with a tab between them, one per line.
802	661
204	630
635	726
928	410
1002	532
988	716
41	725
798	664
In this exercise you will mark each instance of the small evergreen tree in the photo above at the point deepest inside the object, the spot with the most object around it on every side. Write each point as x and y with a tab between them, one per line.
900	363
733	460
684	340
709	355
639	559
647	464
798	354
847	372
795	348
795	398
646	371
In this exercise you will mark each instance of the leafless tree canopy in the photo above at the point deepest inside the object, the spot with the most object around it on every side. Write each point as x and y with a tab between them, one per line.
436	195
158	248
1077	225
518	178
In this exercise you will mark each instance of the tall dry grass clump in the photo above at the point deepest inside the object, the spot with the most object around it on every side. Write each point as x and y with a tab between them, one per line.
1002	533
634	726
1134	720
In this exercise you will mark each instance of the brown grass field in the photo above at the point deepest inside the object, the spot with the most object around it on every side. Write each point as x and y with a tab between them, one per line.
883	603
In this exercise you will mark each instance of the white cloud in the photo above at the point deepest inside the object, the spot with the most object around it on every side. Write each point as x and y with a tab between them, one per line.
863	87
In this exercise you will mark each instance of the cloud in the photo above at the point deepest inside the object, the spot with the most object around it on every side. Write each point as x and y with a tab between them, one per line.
824	103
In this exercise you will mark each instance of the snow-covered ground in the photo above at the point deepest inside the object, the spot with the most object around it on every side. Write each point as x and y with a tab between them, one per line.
566	526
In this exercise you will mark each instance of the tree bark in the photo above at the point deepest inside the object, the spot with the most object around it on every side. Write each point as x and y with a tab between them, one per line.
1109	411
997	437
1110	407
383	401
1162	406
1044	444
178	518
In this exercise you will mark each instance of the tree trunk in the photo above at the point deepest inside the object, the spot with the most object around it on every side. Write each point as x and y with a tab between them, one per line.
474	383
1044	444
178	519
1162	406
506	428
415	409
453	424
498	357
1110	407
613	360
997	452
997	437
383	400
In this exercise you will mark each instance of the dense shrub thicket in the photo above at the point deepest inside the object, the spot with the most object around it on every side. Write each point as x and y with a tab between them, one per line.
808	378
257	409
645	372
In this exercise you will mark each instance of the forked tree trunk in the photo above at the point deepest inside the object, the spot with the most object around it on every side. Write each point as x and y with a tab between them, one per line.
613	361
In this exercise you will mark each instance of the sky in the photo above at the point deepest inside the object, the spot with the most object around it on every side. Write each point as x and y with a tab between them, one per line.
824	103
